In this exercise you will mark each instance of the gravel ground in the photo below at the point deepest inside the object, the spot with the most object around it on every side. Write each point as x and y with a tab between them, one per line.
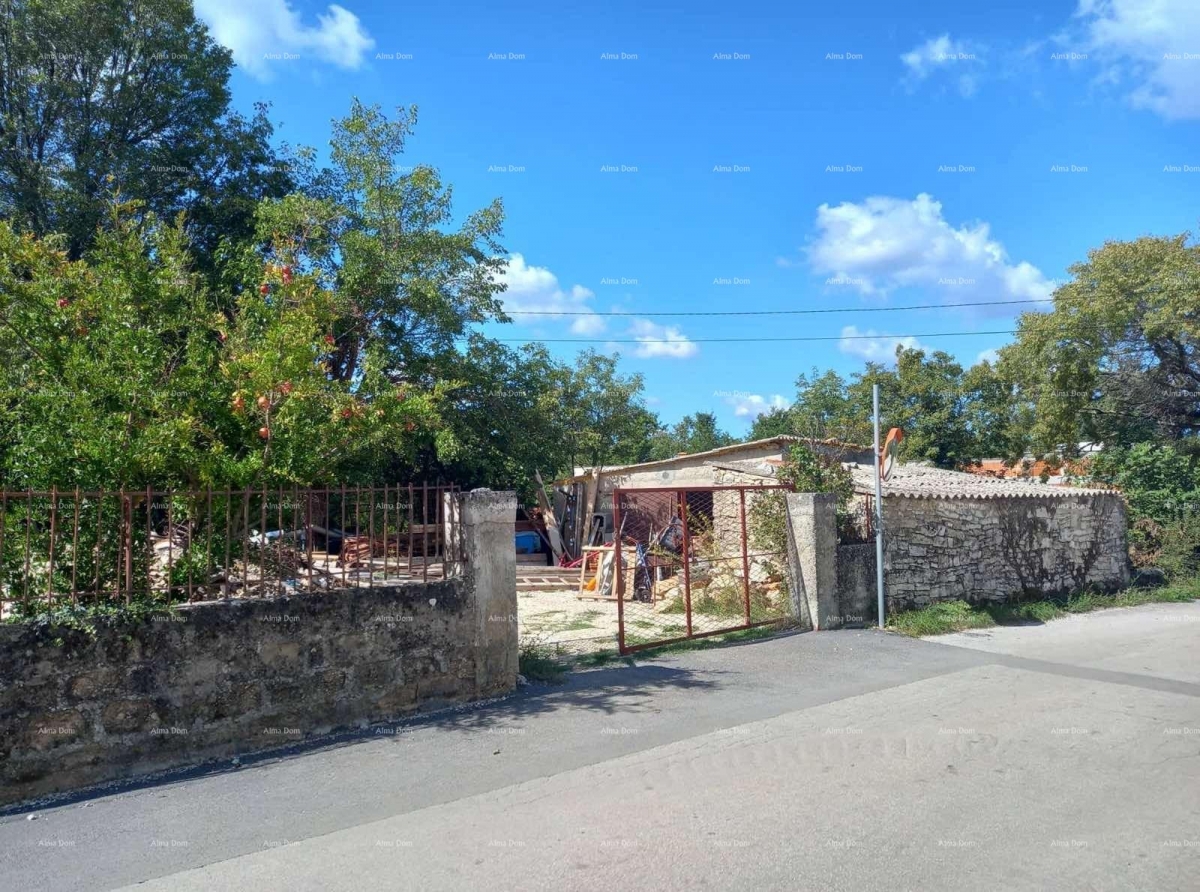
560	618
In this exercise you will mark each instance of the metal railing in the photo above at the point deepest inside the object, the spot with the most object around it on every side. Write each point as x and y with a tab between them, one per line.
77	546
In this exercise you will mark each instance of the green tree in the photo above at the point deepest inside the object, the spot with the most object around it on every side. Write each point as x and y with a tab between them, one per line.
604	416
133	91
826	409
375	231
119	372
776	423
991	414
1118	358
1162	486
692	433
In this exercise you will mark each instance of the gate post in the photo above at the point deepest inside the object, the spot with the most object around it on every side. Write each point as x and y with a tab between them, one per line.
812	524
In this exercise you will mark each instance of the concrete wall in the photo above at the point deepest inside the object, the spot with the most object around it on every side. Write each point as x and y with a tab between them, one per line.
990	549
812	524
216	679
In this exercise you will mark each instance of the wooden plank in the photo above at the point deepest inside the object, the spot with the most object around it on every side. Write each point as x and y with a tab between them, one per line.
552	530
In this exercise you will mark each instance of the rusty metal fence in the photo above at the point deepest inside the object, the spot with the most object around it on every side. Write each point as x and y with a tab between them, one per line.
857	523
73	547
689	563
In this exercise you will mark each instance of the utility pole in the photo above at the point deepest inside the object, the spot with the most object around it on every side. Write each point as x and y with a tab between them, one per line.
878	509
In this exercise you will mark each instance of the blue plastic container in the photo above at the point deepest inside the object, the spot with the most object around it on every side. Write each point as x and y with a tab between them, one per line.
527	543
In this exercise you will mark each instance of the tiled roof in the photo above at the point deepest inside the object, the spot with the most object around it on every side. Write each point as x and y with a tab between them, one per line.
918	481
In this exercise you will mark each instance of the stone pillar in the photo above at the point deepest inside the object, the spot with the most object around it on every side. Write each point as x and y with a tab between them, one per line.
490	572
812	520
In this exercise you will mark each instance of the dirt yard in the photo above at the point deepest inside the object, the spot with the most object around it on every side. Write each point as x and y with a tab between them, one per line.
560	618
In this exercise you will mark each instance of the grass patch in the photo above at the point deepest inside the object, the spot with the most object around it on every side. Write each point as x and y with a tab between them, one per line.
539	661
959	616
713	641
596	658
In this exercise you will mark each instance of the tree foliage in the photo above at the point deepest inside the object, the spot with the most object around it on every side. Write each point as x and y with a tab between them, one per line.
100	91
692	433
121	371
1118	358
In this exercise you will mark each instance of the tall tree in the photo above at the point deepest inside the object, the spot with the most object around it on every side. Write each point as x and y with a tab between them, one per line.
132	96
692	433
1118	358
376	232
604	416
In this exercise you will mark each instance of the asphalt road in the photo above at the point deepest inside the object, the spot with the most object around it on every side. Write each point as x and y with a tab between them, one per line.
1064	756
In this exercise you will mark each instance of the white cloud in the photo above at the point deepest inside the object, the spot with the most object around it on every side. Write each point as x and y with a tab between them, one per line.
992	356
873	346
1147	44
886	243
263	33
944	54
535	288
661	340
751	405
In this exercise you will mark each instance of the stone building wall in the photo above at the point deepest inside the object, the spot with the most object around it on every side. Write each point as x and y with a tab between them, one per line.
215	679
983	550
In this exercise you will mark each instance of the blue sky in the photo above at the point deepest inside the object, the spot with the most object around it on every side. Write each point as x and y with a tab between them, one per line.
764	157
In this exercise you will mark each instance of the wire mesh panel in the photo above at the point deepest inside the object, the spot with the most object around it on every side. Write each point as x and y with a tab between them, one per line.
694	562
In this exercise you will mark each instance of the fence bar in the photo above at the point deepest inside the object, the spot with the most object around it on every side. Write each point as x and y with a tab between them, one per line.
279	542
410	530
228	539
149	543
386	540
53	526
745	555
99	533
308	536
74	547
264	545
295	580
208	539
441	527
371	536
246	541
28	529
618	575
342	549
3	524
425	531
687	559
328	495
168	498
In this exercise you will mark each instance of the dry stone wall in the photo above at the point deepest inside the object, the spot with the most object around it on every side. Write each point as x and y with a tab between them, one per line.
215	679
983	550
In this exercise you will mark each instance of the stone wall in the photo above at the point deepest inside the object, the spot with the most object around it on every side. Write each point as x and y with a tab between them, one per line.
983	550
215	679
857	595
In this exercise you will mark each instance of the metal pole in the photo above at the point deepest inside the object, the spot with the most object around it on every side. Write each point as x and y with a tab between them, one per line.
878	509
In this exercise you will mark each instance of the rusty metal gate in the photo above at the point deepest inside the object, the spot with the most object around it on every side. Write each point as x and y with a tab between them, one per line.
697	561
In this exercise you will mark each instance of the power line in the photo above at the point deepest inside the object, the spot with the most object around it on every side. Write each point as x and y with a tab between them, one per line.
981	303
687	340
